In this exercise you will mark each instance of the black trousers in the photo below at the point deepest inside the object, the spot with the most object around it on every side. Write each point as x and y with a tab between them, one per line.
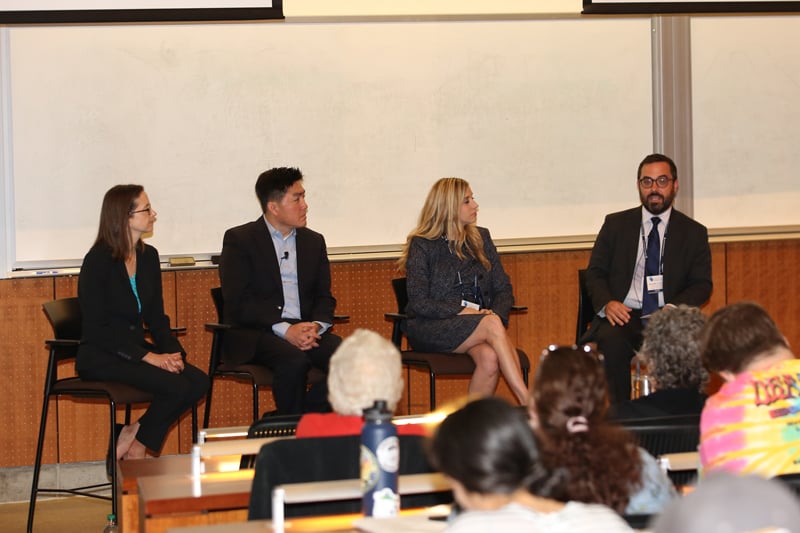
173	394
618	344
290	366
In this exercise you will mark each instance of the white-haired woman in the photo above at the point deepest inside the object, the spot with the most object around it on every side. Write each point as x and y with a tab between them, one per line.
366	367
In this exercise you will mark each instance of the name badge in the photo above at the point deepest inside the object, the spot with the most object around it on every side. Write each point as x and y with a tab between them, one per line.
471	305
655	283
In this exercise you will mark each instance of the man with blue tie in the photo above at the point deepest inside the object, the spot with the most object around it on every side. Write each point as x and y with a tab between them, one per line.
276	286
643	259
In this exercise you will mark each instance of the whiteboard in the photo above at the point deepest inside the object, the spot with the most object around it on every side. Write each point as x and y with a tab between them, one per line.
746	89
547	119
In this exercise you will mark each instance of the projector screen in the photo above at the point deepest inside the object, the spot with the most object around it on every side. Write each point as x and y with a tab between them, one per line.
58	11
618	7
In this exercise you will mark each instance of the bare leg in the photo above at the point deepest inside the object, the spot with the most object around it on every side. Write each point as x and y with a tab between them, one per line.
487	373
491	332
126	438
136	451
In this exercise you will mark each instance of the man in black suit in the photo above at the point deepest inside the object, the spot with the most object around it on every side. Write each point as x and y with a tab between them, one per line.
633	273
276	285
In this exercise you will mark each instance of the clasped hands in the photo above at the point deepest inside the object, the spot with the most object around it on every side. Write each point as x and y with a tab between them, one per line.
619	314
171	362
303	335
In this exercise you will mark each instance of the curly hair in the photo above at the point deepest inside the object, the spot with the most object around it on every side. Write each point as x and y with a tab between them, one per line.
671	348
570	400
364	368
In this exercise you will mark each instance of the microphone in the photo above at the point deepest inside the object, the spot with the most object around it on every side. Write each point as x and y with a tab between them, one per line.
285	255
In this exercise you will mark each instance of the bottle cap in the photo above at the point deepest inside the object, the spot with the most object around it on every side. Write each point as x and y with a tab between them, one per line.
379	412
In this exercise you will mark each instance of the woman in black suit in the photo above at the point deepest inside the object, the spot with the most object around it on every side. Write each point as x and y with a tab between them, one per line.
120	293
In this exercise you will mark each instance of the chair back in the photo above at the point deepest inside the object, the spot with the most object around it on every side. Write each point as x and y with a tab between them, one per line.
65	317
585	309
216	296
400	294
399	323
668	434
266	427
326	459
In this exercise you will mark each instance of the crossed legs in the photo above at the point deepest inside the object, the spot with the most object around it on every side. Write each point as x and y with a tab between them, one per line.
493	352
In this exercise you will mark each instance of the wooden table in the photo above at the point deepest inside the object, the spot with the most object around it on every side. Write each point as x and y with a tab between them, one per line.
409	520
223	497
171	501
217	456
130	472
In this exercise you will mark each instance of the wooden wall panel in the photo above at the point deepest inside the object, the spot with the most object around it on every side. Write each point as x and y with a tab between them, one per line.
544	281
766	272
24	362
719	262
363	291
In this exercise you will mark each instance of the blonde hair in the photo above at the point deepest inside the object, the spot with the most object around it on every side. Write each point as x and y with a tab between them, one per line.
440	217
366	367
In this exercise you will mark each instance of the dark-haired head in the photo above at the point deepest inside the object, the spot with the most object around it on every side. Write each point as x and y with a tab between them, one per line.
658	158
273	184
119	203
570	384
737	335
488	447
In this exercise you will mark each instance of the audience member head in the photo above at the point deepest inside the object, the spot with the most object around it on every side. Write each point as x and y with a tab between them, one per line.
273	184
441	217
671	348
119	206
728	503
366	367
570	388
486	448
568	413
738	335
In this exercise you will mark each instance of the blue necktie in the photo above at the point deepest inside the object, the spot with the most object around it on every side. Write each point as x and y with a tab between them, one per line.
651	268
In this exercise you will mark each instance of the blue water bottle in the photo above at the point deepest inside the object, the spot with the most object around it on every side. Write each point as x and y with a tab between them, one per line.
380	461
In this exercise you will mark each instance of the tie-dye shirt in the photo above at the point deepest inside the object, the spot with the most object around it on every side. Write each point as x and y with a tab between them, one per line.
752	425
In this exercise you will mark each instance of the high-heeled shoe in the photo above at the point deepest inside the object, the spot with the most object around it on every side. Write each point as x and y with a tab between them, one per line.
112	449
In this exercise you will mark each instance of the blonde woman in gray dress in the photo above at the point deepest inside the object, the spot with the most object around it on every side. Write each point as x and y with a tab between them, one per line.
459	296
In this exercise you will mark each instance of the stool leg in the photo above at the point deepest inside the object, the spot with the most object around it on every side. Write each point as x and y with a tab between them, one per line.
113	422
433	389
255	401
37	465
207	414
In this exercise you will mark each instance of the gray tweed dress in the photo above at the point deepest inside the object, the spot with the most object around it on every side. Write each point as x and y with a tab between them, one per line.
437	282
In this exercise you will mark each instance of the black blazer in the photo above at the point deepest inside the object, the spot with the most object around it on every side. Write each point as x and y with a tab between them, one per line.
687	259
111	321
249	272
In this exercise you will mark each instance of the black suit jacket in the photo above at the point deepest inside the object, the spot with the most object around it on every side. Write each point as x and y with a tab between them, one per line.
686	257
249	272
111	322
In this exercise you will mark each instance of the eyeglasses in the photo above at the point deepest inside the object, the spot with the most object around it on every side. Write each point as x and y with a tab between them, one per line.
148	210
588	349
661	181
